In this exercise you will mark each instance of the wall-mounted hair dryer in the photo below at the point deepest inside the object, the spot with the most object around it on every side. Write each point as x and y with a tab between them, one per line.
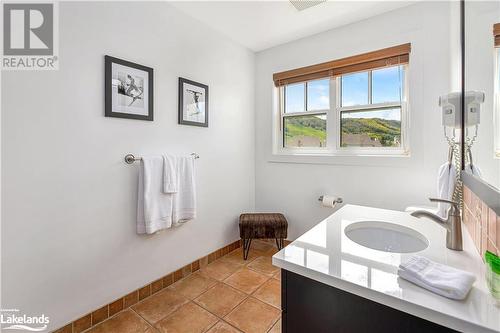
473	100
450	104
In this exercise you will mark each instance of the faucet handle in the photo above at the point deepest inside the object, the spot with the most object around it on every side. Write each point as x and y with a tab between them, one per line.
454	204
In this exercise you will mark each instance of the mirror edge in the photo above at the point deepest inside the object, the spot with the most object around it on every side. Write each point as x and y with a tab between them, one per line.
484	191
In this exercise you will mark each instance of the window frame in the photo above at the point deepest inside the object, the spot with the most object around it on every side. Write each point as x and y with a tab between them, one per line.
283	114
403	104
333	128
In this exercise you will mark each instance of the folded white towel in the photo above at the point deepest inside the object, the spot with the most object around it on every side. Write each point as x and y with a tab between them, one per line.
440	279
184	201
445	187
154	208
169	174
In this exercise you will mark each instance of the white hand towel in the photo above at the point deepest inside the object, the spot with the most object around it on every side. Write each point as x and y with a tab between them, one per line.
440	279
184	201
169	174
474	170
445	187
154	208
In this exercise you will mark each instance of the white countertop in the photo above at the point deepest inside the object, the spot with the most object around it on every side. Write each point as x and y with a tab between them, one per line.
325	254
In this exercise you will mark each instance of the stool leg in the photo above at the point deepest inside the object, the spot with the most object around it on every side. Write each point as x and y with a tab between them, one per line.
246	247
280	242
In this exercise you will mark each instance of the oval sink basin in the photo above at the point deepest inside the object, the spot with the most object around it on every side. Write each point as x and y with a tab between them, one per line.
384	236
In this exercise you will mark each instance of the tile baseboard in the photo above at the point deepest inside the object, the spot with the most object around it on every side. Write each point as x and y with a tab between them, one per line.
96	316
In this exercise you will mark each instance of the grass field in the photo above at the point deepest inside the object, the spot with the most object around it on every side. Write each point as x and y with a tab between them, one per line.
312	129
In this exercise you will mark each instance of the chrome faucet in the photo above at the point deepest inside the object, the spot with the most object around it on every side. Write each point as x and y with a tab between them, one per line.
453	224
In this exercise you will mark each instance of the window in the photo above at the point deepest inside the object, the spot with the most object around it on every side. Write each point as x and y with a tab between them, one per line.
304	113
370	108
345	107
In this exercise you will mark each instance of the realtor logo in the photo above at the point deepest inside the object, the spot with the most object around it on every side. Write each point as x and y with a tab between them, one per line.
13	319
29	36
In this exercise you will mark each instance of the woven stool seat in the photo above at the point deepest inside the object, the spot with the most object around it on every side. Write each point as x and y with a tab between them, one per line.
262	225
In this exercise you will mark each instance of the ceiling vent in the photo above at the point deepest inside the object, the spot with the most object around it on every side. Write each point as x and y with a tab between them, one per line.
301	5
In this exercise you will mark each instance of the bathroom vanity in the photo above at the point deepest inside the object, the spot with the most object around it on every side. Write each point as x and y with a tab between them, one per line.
332	283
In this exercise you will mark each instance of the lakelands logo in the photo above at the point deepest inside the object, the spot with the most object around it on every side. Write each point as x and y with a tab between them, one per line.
30	36
11	319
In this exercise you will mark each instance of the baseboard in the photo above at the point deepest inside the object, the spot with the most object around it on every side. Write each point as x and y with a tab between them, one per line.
95	317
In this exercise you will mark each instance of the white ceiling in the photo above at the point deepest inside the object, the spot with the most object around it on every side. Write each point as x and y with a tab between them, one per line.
259	25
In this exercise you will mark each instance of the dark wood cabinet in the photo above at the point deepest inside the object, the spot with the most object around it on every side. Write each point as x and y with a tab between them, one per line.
313	307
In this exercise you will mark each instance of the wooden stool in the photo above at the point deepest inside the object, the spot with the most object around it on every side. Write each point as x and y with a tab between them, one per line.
262	225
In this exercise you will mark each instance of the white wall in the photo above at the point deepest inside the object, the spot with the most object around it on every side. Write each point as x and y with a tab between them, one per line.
293	188
69	201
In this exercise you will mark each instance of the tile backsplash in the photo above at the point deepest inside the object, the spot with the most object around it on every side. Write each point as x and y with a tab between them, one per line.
482	223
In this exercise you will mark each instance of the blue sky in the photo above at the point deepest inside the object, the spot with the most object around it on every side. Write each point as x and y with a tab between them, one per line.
385	88
318	95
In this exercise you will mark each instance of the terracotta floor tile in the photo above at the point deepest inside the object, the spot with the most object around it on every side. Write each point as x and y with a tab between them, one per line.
193	285
276	328
271	252
270	293
246	280
160	305
253	316
220	299
189	318
220	269
277	276
222	327
260	245
263	265
236	256
125	322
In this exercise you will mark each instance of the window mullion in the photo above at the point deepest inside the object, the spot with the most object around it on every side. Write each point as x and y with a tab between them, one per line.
305	96
307	113
282	104
370	100
370	107
335	95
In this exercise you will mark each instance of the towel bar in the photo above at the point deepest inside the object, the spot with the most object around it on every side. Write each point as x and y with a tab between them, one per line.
129	158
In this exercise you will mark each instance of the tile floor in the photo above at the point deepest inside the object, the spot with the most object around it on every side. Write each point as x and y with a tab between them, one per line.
230	295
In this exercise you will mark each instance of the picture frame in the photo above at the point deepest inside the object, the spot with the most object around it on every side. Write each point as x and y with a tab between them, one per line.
128	89
193	103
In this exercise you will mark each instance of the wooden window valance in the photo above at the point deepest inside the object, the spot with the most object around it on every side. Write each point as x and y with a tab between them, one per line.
496	34
390	56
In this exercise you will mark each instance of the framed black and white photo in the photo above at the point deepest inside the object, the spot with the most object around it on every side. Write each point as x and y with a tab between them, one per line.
128	89
193	103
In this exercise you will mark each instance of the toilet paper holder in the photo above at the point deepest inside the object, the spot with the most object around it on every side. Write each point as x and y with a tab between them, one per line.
339	200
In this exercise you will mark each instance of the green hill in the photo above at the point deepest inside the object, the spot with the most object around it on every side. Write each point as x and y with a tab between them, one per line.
387	132
383	130
310	126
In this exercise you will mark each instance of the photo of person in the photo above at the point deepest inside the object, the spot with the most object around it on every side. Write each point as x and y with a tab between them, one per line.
193	103
129	89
